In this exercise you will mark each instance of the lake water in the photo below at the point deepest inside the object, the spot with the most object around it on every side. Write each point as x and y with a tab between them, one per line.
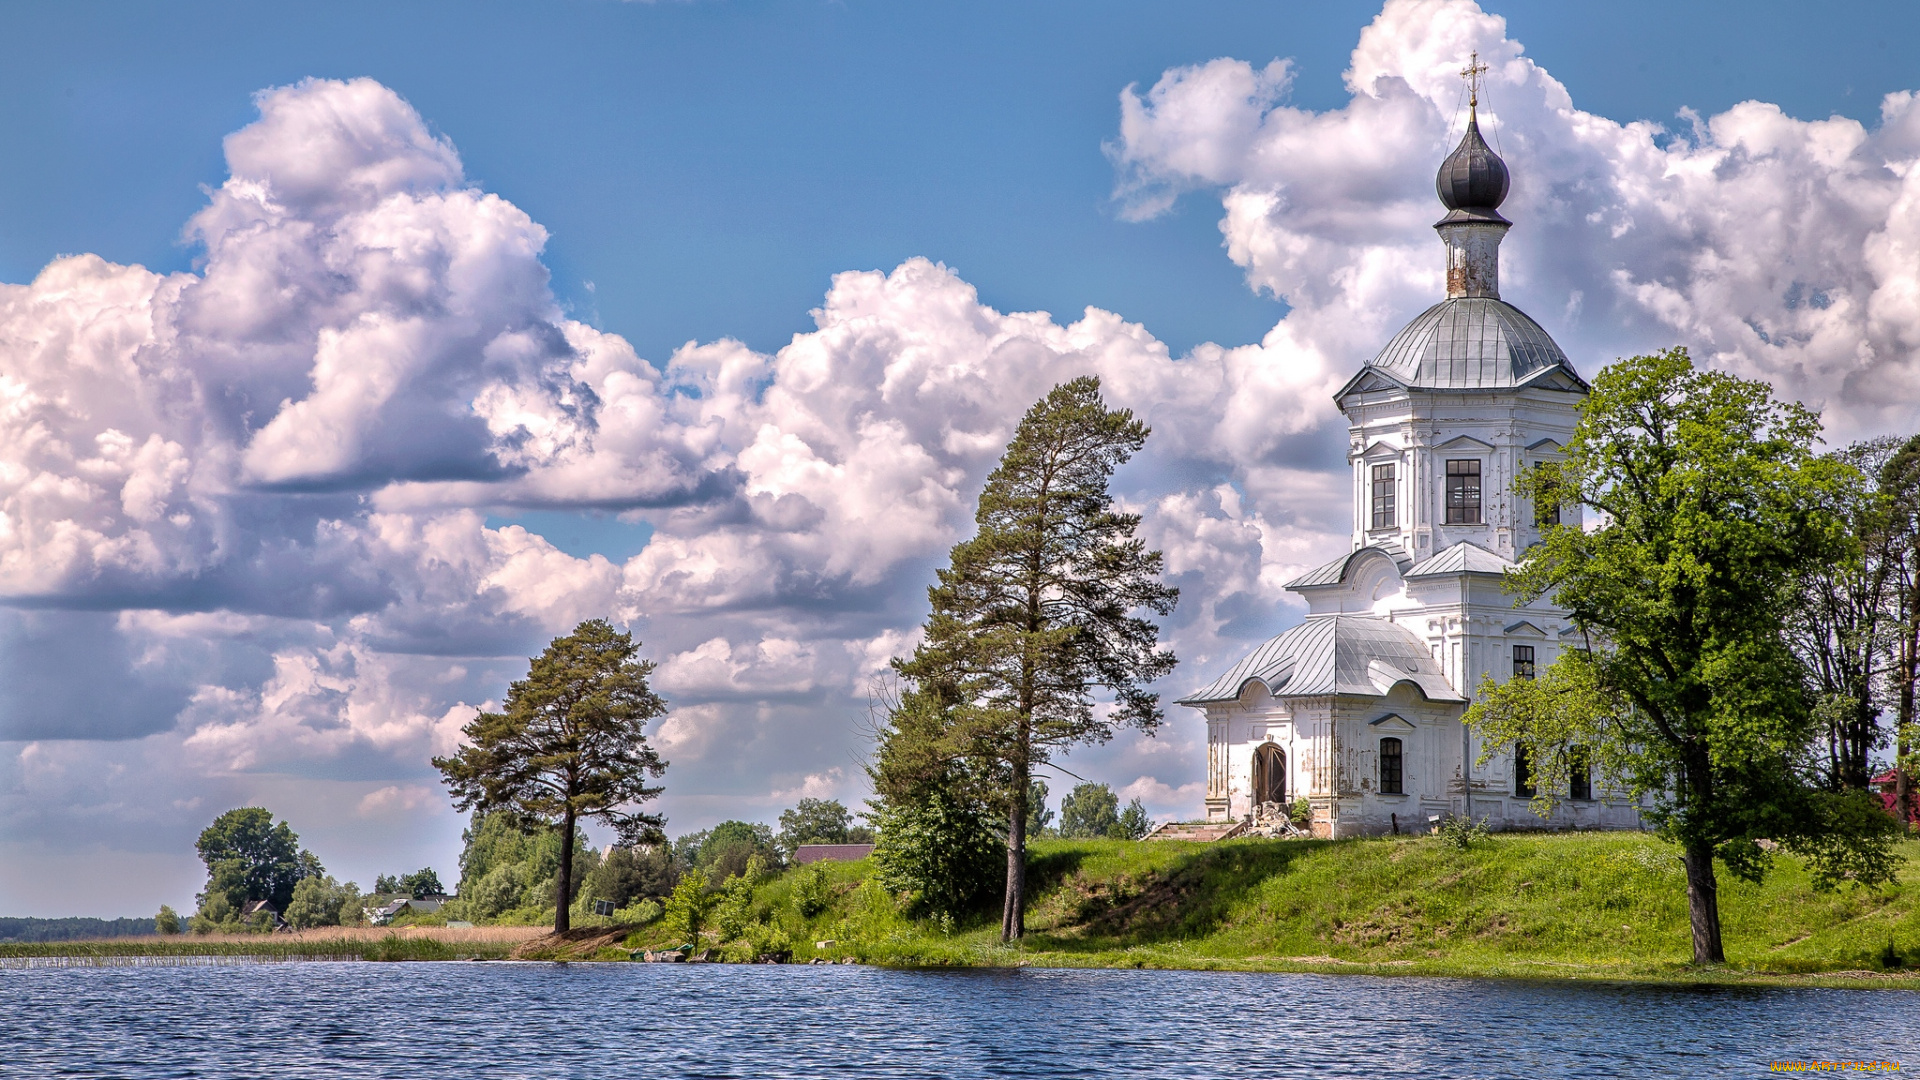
668	1020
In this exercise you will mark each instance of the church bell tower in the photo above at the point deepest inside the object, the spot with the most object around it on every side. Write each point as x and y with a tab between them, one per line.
1467	395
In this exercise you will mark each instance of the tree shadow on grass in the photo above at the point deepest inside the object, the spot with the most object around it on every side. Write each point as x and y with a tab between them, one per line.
1188	899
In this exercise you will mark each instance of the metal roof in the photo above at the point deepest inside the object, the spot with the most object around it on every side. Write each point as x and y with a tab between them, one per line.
1464	557
1470	343
1335	572
1334	654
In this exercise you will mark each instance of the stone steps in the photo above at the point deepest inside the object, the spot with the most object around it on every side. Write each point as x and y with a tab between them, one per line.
1204	832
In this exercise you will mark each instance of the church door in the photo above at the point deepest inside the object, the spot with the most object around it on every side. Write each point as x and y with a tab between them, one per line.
1269	775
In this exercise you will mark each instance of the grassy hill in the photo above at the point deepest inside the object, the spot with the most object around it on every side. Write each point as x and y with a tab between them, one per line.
1594	905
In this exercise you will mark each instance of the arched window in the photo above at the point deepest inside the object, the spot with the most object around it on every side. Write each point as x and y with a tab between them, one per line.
1269	775
1391	760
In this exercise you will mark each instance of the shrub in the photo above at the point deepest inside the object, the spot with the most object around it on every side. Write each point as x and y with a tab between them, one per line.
687	908
1460	833
810	891
167	922
944	853
639	913
734	911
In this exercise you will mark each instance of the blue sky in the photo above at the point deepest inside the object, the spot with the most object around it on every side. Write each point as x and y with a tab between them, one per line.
707	165
405	393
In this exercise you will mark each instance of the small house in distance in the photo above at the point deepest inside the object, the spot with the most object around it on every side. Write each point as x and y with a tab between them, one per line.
393	909
809	853
264	911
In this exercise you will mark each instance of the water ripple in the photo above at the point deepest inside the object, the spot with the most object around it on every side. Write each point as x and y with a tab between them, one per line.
500	1020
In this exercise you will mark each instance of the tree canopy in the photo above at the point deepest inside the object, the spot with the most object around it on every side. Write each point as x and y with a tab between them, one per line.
1036	612
249	858
1714	506
419	884
570	743
818	821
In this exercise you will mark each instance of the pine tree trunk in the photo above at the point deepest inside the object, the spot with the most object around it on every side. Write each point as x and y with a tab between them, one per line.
562	916
1909	658
1013	914
1703	904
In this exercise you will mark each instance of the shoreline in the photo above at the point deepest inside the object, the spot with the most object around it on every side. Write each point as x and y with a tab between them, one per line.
499	944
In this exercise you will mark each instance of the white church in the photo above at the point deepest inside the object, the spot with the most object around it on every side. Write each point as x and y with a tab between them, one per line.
1358	709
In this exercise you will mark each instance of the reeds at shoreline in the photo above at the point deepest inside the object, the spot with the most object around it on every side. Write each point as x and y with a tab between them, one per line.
329	943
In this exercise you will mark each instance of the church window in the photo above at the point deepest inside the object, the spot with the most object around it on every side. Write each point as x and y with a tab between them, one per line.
1463	492
1523	661
1382	497
1522	775
1390	767
1579	775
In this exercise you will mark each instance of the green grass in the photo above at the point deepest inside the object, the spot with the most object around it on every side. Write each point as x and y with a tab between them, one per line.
1603	905
1584	905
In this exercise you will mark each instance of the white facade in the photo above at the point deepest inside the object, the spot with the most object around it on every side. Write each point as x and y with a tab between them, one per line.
1358	709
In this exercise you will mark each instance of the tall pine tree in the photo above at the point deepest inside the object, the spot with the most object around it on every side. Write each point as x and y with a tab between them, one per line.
570	744
1035	613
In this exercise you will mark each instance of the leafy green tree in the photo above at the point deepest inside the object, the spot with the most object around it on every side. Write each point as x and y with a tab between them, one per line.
167	922
1039	818
629	874
321	901
942	851
1134	822
418	885
570	744
1900	487
1034	613
1844	624
725	849
818	821
1089	810
511	871
249	858
940	839
1713	506
422	883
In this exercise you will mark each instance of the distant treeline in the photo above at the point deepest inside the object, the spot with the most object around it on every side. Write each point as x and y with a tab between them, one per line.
71	929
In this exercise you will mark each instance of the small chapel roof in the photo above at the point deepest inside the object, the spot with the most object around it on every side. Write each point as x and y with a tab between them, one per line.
1464	557
1335	572
1357	655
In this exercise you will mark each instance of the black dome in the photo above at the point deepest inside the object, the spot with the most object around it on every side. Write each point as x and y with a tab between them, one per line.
1473	180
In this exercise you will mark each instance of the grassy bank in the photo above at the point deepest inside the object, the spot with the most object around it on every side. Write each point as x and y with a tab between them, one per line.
1534	905
1609	906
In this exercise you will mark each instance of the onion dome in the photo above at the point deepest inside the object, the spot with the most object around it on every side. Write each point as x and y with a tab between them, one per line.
1473	180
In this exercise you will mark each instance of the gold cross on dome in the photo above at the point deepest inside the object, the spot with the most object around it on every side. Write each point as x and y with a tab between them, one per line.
1472	73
